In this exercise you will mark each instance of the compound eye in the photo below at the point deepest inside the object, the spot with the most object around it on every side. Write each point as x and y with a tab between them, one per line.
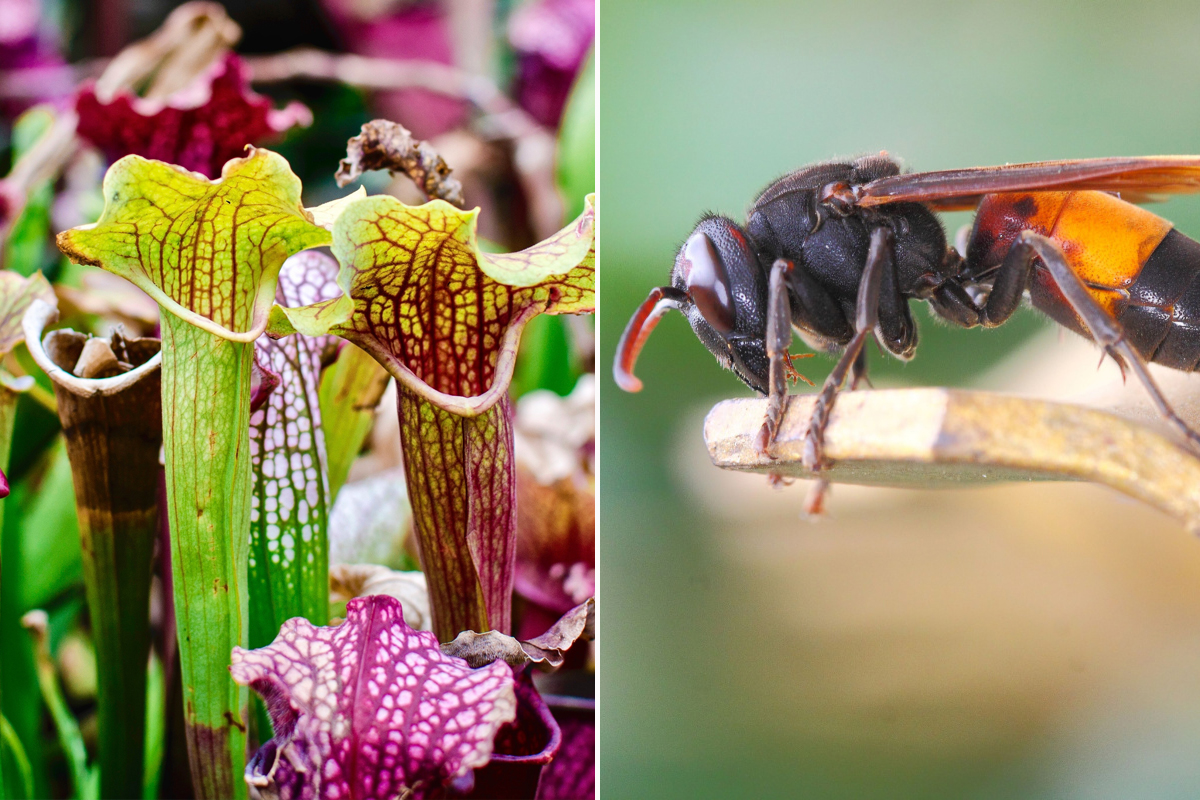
708	283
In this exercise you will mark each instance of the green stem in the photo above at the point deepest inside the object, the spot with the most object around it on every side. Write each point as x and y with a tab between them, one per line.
69	737
117	570
10	740
206	424
8	415
156	721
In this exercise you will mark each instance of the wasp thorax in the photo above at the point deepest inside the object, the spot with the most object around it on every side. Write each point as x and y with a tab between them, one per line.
707	282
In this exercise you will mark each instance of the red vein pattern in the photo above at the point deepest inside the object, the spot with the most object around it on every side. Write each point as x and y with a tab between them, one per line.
423	300
370	709
461	479
209	246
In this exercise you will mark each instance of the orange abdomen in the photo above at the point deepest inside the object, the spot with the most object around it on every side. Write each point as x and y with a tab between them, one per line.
1105	240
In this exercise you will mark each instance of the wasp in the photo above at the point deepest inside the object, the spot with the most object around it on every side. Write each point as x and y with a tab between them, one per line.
835	252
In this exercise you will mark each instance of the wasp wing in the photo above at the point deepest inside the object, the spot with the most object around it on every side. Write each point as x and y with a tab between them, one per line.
1141	179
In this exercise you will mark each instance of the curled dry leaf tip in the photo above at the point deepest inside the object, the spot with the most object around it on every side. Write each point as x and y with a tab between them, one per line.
389	145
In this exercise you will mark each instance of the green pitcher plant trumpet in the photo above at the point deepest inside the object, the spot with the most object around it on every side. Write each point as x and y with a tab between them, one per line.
209	252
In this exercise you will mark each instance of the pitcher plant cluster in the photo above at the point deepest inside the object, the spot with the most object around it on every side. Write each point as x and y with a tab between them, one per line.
205	458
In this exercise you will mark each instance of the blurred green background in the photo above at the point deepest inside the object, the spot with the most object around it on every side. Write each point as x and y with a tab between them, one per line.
1029	641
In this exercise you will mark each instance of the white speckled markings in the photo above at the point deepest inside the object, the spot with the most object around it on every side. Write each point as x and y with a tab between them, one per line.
289	512
370	709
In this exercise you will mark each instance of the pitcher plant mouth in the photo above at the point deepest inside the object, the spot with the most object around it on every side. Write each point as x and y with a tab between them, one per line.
555	276
458	405
226	293
445	319
41	314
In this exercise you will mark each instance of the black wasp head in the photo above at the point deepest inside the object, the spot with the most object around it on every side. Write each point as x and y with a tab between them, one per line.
718	284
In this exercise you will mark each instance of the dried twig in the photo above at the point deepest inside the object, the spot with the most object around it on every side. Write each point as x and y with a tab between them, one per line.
927	437
192	38
389	145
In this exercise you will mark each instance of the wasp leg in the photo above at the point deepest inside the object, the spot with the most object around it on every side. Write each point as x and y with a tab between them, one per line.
1105	330
779	339
951	302
858	374
896	328
1013	278
794	296
881	257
